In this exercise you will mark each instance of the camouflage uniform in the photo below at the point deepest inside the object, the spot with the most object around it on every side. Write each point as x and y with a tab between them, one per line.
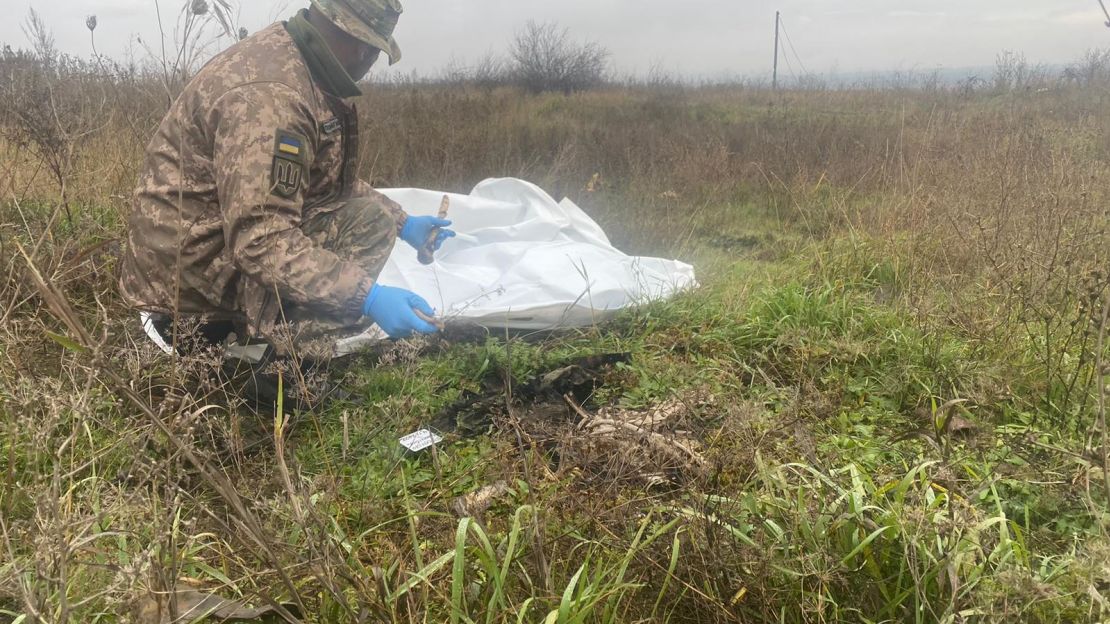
248	208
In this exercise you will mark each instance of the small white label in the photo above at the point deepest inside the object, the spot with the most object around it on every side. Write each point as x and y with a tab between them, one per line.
421	440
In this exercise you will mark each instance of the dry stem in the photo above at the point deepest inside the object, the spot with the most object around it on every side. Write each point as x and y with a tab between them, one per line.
1101	373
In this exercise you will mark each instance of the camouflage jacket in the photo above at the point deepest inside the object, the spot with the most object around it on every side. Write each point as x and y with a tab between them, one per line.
251	149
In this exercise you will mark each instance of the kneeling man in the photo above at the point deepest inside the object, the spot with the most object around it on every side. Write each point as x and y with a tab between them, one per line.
249	217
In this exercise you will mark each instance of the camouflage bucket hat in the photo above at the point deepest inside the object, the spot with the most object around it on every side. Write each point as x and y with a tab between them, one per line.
370	21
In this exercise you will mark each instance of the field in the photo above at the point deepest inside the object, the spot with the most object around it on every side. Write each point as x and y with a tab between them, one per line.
886	402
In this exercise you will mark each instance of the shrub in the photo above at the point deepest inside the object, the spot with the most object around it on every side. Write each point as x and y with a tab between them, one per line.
544	58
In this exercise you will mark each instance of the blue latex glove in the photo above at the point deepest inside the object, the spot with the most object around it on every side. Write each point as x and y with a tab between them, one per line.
392	309
416	230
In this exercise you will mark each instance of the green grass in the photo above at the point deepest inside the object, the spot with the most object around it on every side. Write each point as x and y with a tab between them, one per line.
886	518
836	491
882	440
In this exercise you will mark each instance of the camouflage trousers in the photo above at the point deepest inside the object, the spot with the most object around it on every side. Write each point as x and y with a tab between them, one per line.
360	230
293	359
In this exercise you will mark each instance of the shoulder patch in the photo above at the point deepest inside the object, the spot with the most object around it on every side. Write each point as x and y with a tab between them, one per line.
286	178
290	145
290	153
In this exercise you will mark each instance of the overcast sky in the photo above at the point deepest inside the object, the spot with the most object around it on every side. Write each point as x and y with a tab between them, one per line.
703	38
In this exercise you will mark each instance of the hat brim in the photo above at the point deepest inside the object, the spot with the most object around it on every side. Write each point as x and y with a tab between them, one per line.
358	29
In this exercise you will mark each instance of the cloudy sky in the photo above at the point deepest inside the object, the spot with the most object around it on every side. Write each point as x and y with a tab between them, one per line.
703	38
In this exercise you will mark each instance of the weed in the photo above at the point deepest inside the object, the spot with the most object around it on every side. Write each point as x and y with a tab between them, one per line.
888	397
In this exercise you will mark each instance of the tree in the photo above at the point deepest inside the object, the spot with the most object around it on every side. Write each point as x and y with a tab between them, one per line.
544	58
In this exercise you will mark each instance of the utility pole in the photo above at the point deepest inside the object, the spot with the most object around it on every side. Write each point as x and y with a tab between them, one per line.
775	78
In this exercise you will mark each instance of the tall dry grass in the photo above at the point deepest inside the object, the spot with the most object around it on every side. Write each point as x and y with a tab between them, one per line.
981	209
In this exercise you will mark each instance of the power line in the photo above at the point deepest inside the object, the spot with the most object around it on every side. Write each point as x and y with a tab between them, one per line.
1107	13
789	67
796	57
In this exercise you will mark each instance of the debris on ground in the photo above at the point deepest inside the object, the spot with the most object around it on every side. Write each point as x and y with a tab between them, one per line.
648	445
193	605
555	410
538	398
475	504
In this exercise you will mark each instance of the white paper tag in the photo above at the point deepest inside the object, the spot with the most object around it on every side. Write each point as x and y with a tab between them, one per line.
354	344
421	440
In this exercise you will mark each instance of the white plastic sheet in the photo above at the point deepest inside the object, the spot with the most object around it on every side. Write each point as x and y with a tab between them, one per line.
523	261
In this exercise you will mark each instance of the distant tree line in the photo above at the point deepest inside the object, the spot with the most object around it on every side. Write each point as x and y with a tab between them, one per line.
540	57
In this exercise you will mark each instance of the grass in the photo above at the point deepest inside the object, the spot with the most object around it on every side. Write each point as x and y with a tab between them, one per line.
890	375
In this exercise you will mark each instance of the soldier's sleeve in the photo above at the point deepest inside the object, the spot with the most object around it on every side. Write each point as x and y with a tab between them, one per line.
362	189
264	145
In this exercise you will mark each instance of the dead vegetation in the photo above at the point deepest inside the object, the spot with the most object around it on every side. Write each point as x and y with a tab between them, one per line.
888	403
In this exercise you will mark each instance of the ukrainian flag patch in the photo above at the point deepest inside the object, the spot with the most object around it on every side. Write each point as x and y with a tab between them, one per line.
290	166
291	145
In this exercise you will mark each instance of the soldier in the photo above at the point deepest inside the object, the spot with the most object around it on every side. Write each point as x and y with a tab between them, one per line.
249	216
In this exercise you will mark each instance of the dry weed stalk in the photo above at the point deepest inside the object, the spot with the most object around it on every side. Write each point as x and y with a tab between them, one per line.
955	194
53	106
192	41
331	566
1102	379
253	535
